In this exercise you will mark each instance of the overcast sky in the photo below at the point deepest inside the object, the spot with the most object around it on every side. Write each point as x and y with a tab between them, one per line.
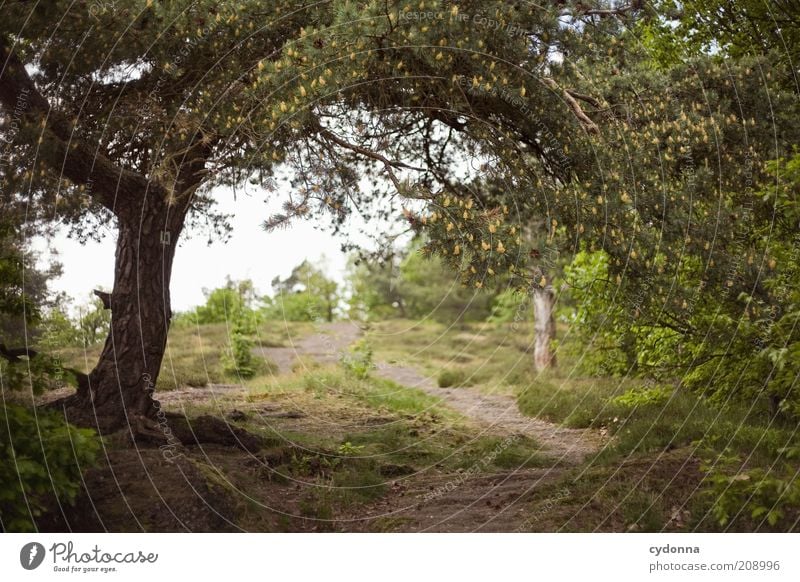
251	253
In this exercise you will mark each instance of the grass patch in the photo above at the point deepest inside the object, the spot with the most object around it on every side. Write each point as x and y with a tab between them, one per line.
195	354
465	355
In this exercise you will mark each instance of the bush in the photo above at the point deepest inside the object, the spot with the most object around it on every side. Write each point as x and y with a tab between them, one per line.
451	378
771	496
300	306
41	457
358	360
241	362
643	397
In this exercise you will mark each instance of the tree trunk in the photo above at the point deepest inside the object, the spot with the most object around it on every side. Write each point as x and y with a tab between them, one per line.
119	391
544	301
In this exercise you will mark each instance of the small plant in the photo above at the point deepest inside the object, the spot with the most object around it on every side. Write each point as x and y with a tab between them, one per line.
241	362
642	397
41	458
348	449
449	378
358	360
758	494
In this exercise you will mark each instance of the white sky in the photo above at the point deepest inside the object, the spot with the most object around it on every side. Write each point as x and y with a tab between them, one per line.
250	253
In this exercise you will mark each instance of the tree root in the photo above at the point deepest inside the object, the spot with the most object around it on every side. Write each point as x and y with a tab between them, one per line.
164	429
207	429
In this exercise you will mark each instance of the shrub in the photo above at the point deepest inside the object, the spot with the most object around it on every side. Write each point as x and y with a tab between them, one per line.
241	362
762	496
643	397
41	457
358	359
451	378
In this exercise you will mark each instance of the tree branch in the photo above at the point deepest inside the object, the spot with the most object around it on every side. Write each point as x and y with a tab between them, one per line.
112	186
590	125
388	164
605	12
13	354
104	297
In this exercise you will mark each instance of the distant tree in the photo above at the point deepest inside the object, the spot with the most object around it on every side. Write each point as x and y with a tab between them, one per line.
235	300
307	294
409	284
375	288
57	327
431	289
94	321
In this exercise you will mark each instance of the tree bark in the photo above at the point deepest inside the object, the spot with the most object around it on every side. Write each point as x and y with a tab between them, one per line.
119	391
544	301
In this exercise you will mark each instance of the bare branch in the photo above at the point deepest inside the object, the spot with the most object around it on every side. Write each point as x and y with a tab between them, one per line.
13	354
590	125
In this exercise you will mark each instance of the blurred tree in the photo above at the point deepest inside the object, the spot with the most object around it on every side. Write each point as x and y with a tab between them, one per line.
307	294
235	300
94	321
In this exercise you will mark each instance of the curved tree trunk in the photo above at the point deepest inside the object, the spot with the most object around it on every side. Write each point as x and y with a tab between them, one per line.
119	391
544	302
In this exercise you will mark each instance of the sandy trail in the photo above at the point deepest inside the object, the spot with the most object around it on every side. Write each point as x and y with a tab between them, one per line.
454	502
326	345
499	415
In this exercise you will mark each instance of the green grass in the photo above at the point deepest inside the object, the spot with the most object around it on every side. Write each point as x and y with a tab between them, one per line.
470	354
635	478
358	434
195	355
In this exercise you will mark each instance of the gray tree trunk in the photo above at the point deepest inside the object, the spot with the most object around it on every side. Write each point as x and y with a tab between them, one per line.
544	325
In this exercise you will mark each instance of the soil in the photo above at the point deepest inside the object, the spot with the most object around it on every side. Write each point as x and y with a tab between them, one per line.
452	502
222	482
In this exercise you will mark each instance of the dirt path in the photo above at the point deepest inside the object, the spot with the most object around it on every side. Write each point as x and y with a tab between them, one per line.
496	502
326	345
499	415
432	499
496	414
453	502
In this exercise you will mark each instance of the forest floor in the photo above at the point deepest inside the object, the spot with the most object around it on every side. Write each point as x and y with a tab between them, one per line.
449	431
463	500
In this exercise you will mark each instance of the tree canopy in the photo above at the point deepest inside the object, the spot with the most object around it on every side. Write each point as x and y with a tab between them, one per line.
479	117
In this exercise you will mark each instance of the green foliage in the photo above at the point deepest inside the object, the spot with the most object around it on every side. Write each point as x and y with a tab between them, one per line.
94	322
35	375
58	330
690	27
299	306
240	362
307	294
511	306
450	378
608	344
41	459
233	302
41	456
412	285
762	496
376	289
643	397
433	290
358	359
348	449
